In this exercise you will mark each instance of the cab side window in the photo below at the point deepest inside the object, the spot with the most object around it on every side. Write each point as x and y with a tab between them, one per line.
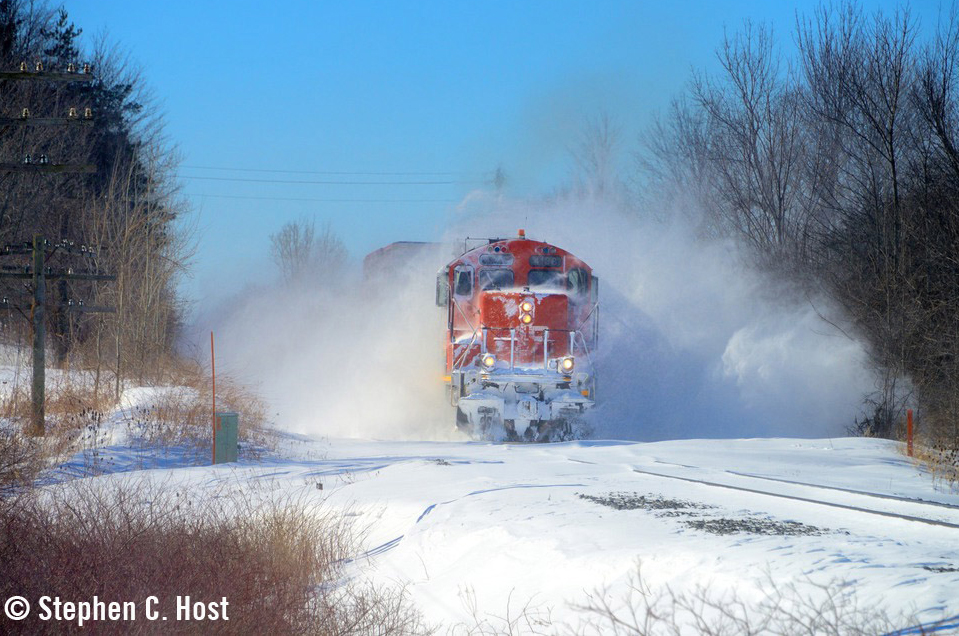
463	281
578	283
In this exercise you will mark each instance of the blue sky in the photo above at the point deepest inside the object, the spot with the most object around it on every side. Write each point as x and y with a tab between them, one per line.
406	106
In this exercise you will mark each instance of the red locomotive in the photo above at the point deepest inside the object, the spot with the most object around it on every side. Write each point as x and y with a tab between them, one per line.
522	319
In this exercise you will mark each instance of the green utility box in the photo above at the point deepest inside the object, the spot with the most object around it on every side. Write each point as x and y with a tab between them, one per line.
225	438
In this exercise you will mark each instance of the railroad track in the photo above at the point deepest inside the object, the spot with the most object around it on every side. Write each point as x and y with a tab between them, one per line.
877	495
820	502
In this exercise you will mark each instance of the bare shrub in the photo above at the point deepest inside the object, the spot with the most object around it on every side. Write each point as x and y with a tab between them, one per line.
20	458
280	566
795	608
71	410
517	618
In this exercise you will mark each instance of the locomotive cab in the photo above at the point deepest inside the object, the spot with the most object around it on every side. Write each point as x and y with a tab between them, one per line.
522	318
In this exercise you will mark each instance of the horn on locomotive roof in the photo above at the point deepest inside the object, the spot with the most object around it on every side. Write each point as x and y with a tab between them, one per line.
522	234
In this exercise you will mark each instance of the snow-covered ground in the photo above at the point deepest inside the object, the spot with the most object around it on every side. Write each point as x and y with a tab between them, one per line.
504	525
478	531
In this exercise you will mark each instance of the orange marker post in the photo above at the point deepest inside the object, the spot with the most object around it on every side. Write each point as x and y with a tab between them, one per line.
213	371
909	432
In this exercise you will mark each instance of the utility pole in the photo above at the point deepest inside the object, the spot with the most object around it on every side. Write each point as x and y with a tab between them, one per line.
40	249
38	389
39	272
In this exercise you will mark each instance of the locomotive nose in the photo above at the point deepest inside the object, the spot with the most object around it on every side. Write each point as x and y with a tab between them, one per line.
510	310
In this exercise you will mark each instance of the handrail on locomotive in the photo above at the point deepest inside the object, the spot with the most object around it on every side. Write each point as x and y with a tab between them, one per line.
512	340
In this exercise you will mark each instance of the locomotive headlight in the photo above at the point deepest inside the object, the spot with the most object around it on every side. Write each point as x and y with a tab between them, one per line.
527	306
526	319
488	361
566	364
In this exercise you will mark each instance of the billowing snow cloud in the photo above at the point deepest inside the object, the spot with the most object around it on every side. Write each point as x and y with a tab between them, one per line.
693	342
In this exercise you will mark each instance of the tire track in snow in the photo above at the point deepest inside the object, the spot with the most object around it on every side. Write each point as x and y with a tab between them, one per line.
392	543
430	508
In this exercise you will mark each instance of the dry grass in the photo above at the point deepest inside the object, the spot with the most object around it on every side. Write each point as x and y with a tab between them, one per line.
178	419
941	461
280	566
936	440
180	415
71	410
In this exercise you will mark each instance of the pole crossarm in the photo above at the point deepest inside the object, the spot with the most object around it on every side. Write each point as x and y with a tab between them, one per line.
51	76
80	168
69	247
80	276
80	309
52	275
80	250
90	309
45	121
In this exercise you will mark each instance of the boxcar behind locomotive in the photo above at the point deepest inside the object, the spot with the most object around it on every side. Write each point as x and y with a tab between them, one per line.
522	319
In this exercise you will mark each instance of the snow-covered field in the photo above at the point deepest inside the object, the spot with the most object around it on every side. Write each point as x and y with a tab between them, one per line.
480	532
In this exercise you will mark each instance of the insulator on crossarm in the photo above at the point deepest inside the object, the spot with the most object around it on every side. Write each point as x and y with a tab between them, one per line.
72	113
23	67
88	113
39	66
44	160
25	113
71	68
86	69
28	159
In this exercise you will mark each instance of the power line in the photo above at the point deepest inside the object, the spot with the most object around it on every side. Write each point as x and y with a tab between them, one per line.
338	173
233	196
289	181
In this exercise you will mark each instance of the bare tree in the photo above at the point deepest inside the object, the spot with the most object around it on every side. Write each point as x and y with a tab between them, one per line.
756	141
304	257
129	206
674	159
737	146
595	156
846	172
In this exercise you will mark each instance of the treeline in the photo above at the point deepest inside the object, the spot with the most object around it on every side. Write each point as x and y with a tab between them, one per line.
126	209
840	167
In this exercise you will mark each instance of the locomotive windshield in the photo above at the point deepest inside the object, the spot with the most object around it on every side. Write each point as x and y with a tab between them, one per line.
546	278
495	279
